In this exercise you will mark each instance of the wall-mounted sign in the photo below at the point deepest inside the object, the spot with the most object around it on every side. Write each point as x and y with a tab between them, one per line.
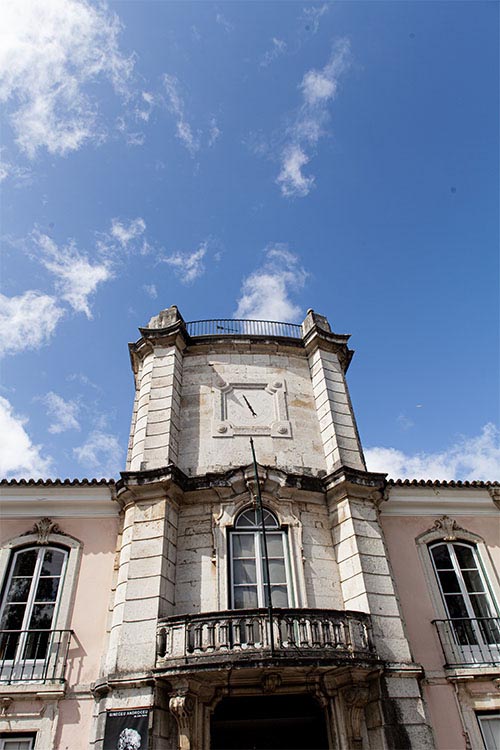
127	729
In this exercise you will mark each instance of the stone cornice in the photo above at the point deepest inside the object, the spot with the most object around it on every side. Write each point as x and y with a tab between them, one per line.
354	483
58	500
318	338
440	498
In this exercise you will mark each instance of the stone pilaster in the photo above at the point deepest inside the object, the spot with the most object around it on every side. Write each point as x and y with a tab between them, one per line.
145	587
329	358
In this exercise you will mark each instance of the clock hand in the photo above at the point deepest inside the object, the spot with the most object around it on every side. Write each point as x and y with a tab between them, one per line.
249	405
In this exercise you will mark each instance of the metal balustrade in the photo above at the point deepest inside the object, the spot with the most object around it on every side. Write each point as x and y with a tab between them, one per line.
241	634
470	641
231	327
33	655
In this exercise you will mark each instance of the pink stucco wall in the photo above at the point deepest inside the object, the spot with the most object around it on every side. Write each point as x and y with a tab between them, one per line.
419	611
89	619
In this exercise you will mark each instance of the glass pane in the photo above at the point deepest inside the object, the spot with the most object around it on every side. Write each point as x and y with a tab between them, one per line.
36	645
279	596
480	605
274	545
248	519
473	581
270	520
441	557
465	633
52	562
465	556
490	726
456	606
449	581
12	618
277	571
17	745
25	563
243	545
244	571
8	645
47	589
19	589
245	597
41	617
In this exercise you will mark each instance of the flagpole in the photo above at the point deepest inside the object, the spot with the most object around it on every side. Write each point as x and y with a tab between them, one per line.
267	589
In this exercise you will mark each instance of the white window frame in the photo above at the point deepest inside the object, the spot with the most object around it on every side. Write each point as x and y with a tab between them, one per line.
256	533
6	740
19	657
73	547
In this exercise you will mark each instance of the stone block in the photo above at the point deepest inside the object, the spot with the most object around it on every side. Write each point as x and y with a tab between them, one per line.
147	548
144	588
402	687
381	584
145	567
140	609
148	529
383	604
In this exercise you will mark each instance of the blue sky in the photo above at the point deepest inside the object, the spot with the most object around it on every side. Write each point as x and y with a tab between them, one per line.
251	159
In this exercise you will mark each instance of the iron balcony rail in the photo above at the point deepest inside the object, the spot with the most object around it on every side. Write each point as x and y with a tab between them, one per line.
470	641
241	634
231	327
33	655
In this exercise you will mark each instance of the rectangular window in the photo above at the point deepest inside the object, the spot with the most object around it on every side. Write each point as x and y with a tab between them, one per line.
17	741
490	730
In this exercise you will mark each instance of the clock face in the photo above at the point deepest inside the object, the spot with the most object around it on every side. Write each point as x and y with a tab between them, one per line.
250	409
249	406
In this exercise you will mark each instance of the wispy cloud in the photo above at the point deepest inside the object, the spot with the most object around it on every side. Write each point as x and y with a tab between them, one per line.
19	456
319	89
124	232
213	132
53	52
277	49
150	290
267	293
27	321
100	454
311	17
63	413
77	278
221	20
20	176
176	106
468	458
188	266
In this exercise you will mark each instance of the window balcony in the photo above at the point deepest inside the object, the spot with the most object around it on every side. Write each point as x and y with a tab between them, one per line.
470	642
33	656
243	637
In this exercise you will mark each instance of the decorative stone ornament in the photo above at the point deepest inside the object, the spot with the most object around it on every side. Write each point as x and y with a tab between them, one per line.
43	529
449	526
182	707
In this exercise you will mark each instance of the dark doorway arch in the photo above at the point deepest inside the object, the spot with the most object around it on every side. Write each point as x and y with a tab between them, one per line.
269	722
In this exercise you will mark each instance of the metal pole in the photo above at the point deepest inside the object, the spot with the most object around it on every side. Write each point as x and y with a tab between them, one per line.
267	589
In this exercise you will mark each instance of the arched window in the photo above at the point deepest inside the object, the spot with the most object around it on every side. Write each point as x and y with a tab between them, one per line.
466	594
247	561
30	601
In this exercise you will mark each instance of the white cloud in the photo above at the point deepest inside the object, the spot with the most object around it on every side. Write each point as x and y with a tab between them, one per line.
63	413
319	88
20	176
27	321
100	454
213	132
468	458
222	21
150	290
125	232
18	456
77	278
278	48
50	51
312	15
188	266
176	107
265	294
291	179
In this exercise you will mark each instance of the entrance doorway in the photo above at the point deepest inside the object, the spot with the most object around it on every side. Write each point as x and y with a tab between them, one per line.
283	722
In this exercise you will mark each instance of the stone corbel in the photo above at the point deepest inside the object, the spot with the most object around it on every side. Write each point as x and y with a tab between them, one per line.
182	707
355	698
495	495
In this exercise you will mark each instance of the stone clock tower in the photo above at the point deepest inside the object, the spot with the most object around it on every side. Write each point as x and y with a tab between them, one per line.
198	399
190	638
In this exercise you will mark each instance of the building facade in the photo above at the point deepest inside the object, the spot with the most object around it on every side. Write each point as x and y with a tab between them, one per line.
136	614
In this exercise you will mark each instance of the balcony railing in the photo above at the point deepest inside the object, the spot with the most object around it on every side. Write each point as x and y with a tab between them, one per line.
230	327
244	635
470	642
33	655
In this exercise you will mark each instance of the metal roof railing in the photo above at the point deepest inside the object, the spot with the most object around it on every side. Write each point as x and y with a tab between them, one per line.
236	327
